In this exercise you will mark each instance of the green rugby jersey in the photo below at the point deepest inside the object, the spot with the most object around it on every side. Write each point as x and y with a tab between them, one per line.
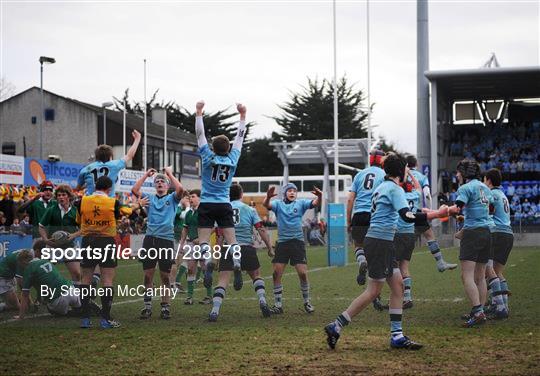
36	210
8	266
53	221
41	272
192	224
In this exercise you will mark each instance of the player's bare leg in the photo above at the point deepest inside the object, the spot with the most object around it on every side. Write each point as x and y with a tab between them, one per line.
302	271
278	288
204	265
74	269
11	301
470	275
433	246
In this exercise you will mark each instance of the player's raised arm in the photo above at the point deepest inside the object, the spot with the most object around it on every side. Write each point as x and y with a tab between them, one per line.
133	149
136	190
241	132
269	194
199	125
175	183
415	182
318	193
265	238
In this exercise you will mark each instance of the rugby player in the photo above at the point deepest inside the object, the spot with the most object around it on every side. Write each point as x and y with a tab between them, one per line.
37	205
179	268
106	166
387	204
474	202
41	274
159	235
218	168
61	215
425	228
290	246
245	219
188	241
97	215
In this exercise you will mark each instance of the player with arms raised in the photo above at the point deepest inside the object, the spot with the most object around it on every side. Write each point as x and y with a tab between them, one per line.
218	168
106	166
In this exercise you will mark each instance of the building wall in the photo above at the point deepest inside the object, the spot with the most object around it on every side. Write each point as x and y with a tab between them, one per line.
72	134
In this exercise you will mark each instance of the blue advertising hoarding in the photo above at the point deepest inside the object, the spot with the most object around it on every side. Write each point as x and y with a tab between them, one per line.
11	243
37	170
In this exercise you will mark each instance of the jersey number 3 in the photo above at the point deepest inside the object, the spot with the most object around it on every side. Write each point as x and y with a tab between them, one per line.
221	173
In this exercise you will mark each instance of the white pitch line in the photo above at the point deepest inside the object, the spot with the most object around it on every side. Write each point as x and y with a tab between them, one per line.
121	302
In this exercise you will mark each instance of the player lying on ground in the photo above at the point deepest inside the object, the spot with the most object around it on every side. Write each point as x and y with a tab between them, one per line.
218	168
290	246
387	204
11	276
245	219
161	210
425	228
190	246
474	202
58	292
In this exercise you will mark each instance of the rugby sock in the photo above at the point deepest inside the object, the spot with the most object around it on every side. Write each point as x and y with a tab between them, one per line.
181	271
219	295
278	294
148	298
258	285
504	289
433	246
342	320
407	284
199	273
396	330
209	291
96	277
476	310
165	306
496	293
85	300
106	303
304	286
359	254
190	285
235	249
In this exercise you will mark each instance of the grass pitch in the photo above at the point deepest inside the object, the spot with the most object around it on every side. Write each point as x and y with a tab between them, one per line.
243	343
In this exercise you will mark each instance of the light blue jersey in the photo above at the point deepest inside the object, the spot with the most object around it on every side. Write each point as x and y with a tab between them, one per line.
364	183
413	199
289	218
217	174
89	174
244	217
386	201
422	179
501	215
476	196
161	213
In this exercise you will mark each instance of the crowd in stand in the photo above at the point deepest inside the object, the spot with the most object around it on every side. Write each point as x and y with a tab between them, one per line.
514	149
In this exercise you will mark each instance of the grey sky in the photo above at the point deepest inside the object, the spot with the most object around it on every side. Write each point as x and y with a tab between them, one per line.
255	51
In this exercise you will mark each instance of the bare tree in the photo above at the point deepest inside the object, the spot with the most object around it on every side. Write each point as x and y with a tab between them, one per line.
7	89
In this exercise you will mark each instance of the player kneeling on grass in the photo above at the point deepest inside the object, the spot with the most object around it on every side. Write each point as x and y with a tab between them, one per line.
290	246
218	168
475	202
58	292
245	218
388	203
10	275
502	240
159	236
